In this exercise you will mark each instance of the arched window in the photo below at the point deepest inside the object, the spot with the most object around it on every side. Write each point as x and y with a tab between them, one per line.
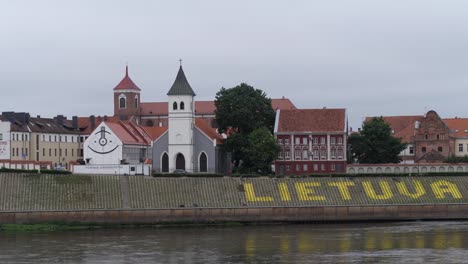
182	105
180	162
122	101
165	163
203	162
174	106
136	101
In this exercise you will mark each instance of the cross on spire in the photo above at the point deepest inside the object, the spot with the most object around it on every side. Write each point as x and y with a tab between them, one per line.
180	61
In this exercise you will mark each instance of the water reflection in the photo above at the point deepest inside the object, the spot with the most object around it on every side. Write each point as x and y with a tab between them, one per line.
442	242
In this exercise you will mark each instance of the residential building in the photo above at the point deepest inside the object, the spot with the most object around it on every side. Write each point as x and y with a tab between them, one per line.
311	141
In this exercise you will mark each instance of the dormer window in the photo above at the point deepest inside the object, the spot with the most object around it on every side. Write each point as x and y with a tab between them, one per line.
182	105
122	101
174	106
136	101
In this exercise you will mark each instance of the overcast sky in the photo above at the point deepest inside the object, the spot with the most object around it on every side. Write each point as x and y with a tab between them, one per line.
372	57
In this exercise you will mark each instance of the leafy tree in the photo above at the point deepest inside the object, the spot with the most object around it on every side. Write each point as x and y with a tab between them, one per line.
260	151
245	113
375	143
243	109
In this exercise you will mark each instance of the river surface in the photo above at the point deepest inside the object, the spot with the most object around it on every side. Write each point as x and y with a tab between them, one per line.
403	242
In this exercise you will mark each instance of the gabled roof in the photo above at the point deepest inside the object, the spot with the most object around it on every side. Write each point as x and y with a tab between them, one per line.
181	85
129	133
403	126
458	126
201	124
311	120
205	107
126	83
155	132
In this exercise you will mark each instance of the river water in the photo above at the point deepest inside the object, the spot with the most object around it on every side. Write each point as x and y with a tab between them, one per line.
403	242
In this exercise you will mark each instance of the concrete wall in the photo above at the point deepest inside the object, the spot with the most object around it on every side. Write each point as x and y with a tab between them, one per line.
203	144
407	168
159	147
124	199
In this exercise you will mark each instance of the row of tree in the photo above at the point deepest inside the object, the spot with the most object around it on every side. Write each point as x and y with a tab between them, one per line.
246	116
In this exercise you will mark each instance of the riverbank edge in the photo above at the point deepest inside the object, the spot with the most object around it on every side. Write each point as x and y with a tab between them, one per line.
87	219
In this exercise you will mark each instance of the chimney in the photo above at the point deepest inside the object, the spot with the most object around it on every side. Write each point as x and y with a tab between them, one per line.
99	118
105	118
92	122
75	122
38	116
59	119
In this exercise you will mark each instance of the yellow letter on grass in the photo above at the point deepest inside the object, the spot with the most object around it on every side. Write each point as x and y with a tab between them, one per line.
418	189
386	191
251	197
343	188
306	192
440	188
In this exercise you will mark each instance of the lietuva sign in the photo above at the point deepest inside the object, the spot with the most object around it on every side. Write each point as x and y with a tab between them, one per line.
339	191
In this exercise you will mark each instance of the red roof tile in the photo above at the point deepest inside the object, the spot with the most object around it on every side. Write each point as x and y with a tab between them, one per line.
129	134
206	107
208	130
403	126
126	83
155	132
458	126
312	120
84	123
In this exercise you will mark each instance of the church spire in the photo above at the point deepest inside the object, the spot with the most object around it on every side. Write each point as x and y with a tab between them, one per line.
181	85
126	83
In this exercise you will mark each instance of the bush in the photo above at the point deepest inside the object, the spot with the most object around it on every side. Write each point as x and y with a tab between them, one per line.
3	169
195	175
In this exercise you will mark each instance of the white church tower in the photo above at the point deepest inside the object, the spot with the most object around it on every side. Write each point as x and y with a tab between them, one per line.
181	124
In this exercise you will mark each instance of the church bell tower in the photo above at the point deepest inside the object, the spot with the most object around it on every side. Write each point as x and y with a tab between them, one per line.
127	99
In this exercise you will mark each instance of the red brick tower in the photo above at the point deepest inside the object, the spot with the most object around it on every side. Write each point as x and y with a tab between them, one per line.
127	99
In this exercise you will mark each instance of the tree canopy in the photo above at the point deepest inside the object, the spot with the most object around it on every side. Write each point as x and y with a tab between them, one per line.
375	143
246	116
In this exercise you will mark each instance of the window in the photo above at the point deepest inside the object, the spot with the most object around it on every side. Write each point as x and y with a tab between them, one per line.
66	152
60	152
411	150
426	137
286	141
174	106
43	152
136	101
43	137
55	152
50	138
316	154
305	167
423	149
305	154
323	154
340	140
280	141
304	140
1	136
55	138
182	106
81	139
440	149
438	137
315	167
60	138
322	166
298	154
332	140
340	153
315	140
72	139
332	167
286	154
333	153
73	152
322	140
298	167
122	101
288	168
280	155
22	137
460	147
50	152
298	141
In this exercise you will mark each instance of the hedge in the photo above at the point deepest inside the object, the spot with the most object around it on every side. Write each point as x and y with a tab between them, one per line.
3	169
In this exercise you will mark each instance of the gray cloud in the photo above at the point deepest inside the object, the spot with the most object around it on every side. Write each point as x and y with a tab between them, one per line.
372	57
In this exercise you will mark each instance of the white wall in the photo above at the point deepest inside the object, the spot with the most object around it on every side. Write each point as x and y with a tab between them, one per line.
464	142
112	169
103	147
5	141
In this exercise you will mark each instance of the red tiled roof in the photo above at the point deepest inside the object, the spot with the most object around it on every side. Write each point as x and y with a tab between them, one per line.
126	83
458	126
84	123
129	134
208	130
206	107
312	120
155	132
403	126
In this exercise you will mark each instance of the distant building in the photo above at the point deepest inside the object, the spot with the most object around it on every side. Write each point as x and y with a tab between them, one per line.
311	141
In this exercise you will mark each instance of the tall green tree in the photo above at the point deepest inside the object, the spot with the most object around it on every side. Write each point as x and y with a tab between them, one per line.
246	116
375	143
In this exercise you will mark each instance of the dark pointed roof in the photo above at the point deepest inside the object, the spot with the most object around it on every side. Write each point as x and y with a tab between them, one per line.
126	83
181	85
